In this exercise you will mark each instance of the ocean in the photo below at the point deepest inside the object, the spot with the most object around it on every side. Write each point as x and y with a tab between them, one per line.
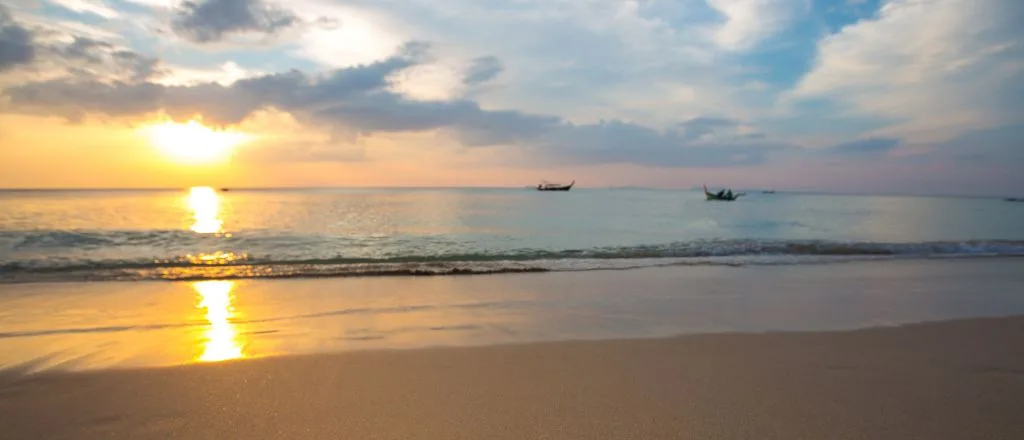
103	279
204	233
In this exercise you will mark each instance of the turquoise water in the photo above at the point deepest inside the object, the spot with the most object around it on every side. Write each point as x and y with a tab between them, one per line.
207	234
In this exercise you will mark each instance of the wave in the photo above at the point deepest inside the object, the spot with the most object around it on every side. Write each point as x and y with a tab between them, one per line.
230	264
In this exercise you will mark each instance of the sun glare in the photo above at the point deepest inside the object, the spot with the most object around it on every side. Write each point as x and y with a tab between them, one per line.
193	142
205	207
221	337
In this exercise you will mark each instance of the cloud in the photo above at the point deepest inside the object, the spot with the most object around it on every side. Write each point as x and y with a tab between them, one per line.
748	22
999	147
358	38
164	4
448	79
357	102
864	147
54	50
94	7
224	74
702	126
613	59
208	21
90	58
141	67
482	69
627	143
85	48
16	46
934	68
55	29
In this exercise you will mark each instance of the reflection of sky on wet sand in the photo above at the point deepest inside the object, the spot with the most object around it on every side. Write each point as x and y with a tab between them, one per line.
89	325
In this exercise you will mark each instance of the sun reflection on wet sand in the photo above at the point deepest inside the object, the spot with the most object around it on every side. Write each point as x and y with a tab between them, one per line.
205	205
222	339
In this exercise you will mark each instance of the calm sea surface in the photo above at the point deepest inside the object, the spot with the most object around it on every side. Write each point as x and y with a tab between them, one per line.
756	267
203	233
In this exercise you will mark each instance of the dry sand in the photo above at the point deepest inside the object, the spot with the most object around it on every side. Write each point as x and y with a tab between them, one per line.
951	380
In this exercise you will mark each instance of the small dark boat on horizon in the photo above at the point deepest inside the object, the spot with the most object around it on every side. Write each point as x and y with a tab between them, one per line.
548	186
723	195
1013	199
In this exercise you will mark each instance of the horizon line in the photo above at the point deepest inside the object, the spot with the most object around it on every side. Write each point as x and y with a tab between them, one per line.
641	187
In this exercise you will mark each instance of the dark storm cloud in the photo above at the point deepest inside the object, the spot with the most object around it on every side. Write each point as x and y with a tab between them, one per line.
209	21
482	69
15	42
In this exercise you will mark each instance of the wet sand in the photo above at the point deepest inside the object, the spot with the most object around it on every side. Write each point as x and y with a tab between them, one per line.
97	325
949	380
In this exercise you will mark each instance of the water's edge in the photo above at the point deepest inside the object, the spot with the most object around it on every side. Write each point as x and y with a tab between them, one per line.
228	270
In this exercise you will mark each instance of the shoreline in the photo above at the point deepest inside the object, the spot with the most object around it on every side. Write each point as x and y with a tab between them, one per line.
938	380
445	268
98	325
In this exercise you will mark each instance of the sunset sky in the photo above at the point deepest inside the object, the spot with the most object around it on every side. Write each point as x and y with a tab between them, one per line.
920	96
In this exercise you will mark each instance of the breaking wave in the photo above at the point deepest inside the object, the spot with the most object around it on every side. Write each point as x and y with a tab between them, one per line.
277	257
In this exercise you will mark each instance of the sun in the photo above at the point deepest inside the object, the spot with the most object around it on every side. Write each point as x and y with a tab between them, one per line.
192	141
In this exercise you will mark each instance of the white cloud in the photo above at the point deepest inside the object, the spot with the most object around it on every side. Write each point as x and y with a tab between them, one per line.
95	7
61	29
584	60
938	68
429	82
165	4
225	74
747	22
359	37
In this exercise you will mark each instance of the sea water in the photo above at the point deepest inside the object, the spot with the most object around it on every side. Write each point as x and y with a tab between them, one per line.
765	262
207	233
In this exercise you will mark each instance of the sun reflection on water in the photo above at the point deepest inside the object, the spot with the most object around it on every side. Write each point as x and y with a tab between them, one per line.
204	203
222	339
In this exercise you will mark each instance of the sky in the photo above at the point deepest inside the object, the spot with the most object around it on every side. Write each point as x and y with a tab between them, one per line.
906	96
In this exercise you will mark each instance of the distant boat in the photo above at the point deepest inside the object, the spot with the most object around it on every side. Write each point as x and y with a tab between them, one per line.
721	196
548	186
1013	199
768	191
225	189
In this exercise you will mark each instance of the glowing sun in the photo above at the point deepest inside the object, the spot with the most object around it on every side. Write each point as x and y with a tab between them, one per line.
192	141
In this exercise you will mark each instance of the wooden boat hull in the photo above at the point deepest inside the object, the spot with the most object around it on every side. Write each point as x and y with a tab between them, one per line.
717	198
556	187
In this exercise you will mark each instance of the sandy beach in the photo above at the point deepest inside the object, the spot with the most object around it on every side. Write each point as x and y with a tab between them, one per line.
916	349
511	220
950	380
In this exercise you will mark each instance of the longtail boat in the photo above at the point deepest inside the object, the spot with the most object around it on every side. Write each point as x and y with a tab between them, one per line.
723	196
548	186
